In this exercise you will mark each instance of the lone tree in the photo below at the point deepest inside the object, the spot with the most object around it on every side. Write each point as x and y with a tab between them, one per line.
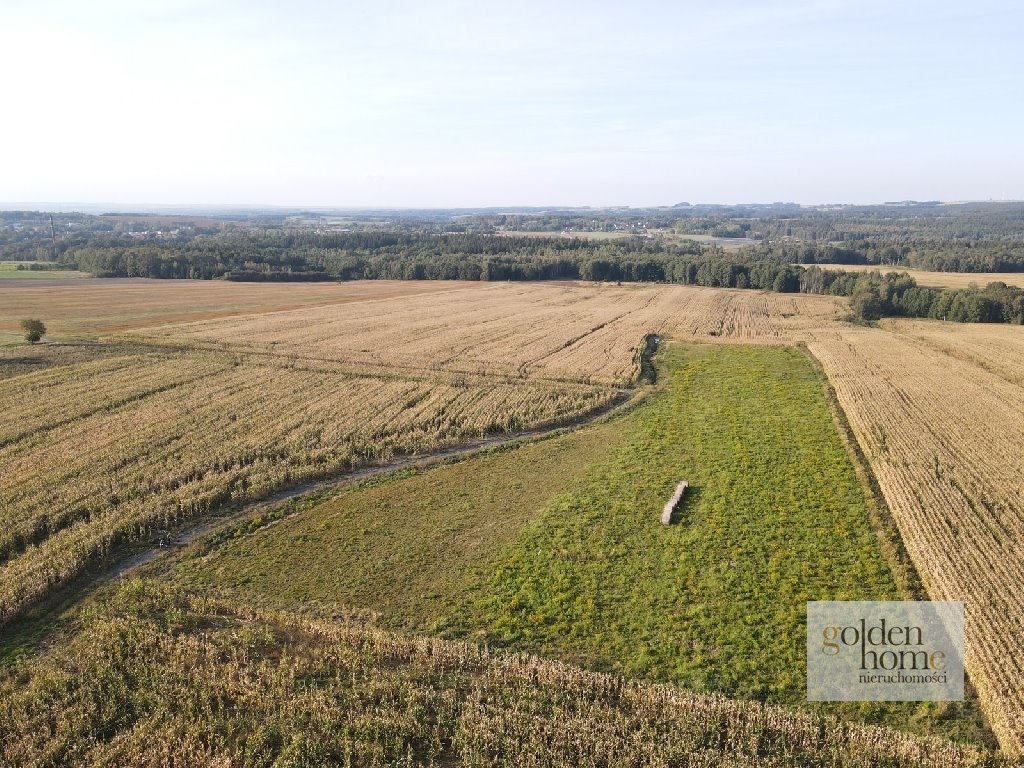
34	330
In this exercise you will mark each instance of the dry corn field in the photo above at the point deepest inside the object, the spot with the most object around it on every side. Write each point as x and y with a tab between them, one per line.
213	411
173	680
110	450
158	439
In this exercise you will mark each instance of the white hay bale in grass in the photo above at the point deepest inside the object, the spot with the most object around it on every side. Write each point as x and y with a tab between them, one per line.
670	507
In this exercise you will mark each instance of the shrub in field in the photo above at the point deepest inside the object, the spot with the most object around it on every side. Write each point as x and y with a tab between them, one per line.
34	330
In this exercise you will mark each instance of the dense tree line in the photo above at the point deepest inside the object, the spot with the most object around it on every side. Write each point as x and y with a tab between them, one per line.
402	256
378	255
971	237
307	256
410	245
36	236
874	295
990	255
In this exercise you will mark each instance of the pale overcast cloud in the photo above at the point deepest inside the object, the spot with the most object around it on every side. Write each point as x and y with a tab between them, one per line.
471	103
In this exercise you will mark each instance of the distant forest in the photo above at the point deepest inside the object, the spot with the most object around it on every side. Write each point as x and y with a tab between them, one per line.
741	247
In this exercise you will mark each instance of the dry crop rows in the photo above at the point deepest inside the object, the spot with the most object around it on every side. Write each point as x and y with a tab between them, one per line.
99	305
183	681
998	349
944	432
133	445
576	333
108	450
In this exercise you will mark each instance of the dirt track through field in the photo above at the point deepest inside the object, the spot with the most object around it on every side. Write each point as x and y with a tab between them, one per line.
180	539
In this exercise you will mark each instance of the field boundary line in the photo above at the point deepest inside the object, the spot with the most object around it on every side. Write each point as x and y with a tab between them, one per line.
882	520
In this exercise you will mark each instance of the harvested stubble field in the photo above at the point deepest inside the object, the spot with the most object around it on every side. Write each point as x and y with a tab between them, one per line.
172	420
579	333
93	305
999	349
939	410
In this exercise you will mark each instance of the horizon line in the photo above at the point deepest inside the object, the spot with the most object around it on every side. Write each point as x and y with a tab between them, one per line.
151	207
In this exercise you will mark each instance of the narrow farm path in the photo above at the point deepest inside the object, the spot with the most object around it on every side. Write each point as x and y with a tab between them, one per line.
183	537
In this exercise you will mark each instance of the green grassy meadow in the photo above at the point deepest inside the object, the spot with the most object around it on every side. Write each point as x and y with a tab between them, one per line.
9	271
775	517
404	545
556	547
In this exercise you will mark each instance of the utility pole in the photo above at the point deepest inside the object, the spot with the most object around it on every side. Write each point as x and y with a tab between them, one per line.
53	238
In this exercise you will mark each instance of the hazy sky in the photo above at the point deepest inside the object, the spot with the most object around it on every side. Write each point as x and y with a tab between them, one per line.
453	103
